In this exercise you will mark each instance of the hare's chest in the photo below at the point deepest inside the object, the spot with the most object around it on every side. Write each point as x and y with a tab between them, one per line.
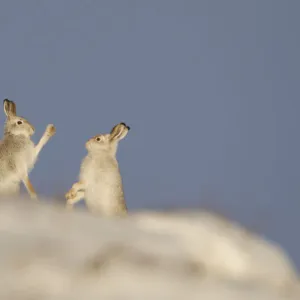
87	171
98	178
27	156
97	171
20	161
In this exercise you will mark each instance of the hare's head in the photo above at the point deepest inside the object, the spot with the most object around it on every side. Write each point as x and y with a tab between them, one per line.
14	124
108	142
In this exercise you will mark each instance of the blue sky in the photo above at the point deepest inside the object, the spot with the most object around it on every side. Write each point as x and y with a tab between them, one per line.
209	88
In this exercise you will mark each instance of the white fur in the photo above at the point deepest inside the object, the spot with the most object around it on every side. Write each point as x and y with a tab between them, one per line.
100	181
18	153
104	182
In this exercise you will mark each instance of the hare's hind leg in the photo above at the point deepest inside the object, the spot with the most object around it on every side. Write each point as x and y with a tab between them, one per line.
29	187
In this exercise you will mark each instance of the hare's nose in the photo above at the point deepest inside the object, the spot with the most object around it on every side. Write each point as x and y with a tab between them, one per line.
88	142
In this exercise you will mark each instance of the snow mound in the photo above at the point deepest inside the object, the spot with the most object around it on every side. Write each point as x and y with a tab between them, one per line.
48	253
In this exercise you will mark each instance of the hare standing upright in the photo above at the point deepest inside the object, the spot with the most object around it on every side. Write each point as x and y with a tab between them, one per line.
18	153
100	182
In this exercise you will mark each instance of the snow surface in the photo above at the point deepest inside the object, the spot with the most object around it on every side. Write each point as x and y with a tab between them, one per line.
49	253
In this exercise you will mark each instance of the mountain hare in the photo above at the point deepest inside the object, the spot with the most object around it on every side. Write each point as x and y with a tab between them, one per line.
100	182
18	153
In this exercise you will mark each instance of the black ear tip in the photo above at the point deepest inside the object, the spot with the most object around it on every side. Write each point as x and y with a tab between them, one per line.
124	124
6	101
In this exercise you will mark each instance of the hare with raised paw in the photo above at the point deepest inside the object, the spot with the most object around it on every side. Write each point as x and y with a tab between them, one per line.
18	153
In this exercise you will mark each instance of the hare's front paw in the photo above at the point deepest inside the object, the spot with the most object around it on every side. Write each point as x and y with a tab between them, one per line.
51	130
70	195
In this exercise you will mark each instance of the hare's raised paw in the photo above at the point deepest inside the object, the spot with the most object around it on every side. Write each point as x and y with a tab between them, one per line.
51	130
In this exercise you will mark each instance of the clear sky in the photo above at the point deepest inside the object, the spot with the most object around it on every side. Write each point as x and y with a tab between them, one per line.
210	89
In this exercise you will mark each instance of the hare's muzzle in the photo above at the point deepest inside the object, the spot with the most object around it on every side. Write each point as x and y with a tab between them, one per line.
88	143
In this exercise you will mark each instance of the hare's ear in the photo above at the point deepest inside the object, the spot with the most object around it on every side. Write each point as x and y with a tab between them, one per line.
6	106
119	132
13	108
9	108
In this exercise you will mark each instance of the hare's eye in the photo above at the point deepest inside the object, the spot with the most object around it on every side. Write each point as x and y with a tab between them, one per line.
98	139
19	122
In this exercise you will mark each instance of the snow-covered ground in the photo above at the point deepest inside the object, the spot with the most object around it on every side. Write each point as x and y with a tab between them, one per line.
49	253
